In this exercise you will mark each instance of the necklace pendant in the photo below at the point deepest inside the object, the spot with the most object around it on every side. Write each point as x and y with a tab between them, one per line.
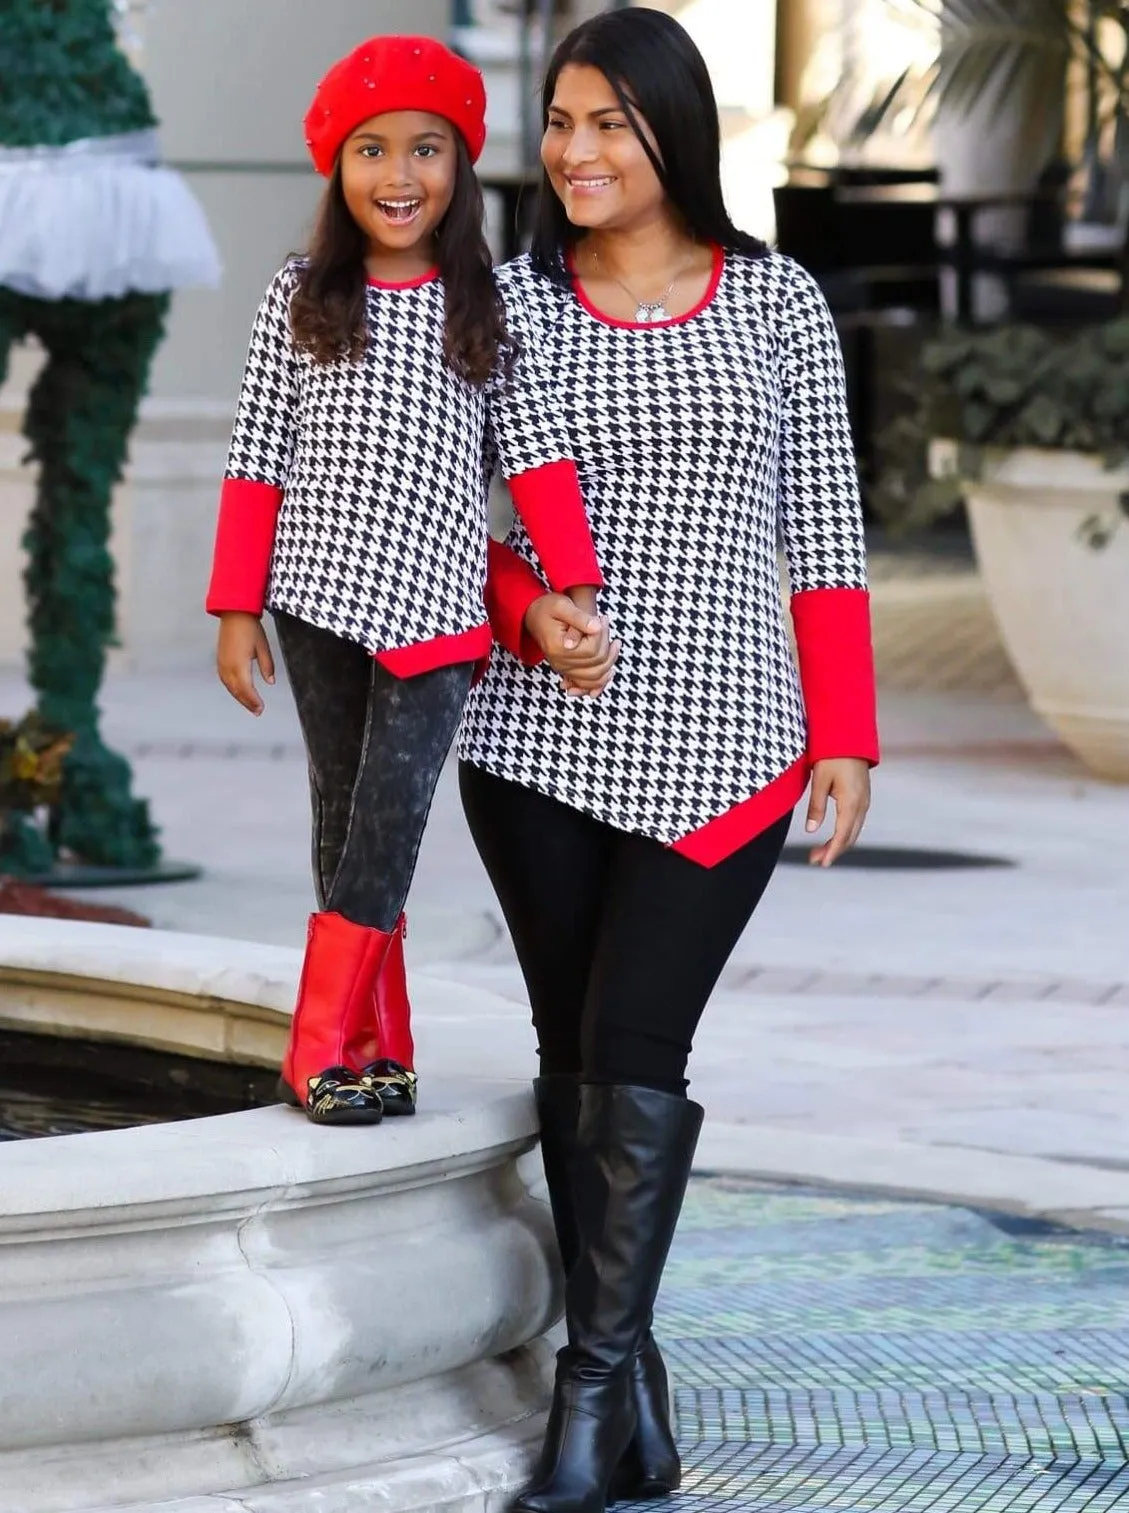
646	314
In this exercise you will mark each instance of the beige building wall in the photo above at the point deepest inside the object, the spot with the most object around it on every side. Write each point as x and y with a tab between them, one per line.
737	38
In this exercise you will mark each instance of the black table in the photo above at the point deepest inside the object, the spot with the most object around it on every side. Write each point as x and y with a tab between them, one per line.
965	256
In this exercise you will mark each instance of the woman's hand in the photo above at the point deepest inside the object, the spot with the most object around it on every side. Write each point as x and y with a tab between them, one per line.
575	642
846	781
242	643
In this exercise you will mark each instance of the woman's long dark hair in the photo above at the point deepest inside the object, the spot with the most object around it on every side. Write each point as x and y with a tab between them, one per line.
658	75
327	312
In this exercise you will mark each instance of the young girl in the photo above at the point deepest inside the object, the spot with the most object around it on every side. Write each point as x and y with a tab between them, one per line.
380	388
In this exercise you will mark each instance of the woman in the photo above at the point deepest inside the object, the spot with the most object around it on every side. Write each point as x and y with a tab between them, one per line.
631	836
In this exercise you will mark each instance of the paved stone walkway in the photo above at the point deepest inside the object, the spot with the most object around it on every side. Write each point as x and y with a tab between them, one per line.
837	1354
939	635
960	1033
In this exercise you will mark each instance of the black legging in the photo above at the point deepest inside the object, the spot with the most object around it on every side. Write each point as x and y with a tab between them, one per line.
375	745
620	940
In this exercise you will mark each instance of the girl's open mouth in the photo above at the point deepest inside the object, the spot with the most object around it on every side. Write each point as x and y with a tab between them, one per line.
400	212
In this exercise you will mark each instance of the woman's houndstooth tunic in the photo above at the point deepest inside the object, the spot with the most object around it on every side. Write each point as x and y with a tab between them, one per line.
701	443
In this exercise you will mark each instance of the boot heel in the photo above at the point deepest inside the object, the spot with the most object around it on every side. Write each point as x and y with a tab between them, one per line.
631	1483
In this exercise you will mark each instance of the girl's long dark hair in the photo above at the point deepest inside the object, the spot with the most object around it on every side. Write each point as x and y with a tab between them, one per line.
658	75
327	312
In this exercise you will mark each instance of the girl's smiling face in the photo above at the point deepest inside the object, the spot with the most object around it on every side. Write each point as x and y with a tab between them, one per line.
596	164
398	178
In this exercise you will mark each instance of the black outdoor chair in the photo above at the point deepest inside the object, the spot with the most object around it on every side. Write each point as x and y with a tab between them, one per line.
877	263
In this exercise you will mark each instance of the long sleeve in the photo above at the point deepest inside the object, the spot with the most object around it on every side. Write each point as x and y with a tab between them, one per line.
511	587
820	518
536	459
262	443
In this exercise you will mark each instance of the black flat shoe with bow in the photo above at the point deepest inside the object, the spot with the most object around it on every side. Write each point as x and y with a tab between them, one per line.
337	1096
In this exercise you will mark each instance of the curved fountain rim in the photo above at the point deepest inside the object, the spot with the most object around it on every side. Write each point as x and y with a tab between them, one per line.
241	1160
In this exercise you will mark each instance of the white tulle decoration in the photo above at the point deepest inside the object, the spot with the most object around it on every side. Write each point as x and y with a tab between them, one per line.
100	218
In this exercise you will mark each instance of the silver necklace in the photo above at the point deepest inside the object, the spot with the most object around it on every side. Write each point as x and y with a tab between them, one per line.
647	311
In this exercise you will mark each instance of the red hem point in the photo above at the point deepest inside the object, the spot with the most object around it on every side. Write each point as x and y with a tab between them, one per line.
721	837
441	651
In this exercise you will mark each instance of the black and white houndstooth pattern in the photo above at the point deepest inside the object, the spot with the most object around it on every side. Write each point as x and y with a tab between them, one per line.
381	536
700	445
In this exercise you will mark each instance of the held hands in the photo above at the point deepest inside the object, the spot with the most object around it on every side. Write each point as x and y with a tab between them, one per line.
242	643
846	781
575	642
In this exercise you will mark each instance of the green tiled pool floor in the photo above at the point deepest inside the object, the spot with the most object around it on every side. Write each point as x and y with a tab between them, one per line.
851	1354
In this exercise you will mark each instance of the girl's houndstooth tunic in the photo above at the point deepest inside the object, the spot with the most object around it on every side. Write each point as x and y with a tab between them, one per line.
355	492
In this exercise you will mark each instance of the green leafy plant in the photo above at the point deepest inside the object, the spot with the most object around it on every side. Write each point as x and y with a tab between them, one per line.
991	53
1011	386
31	763
32	757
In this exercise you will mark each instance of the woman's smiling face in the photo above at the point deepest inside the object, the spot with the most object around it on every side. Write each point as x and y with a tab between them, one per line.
598	167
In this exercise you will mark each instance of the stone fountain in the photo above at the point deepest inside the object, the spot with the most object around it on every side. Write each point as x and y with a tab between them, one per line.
244	1313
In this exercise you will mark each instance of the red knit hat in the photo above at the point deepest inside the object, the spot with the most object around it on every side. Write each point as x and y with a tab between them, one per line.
394	73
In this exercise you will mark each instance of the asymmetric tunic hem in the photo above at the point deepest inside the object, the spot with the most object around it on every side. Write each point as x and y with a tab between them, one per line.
701	443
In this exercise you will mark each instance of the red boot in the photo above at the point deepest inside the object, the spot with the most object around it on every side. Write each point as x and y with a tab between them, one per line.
392	1074
331	1033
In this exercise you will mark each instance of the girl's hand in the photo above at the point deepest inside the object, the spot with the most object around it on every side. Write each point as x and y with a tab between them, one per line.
242	643
594	678
846	781
576	644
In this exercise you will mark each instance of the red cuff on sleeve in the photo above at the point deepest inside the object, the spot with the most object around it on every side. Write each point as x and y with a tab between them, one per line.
837	672
511	587
551	507
244	542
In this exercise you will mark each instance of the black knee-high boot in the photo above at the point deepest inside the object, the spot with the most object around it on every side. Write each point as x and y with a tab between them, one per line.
651	1467
634	1147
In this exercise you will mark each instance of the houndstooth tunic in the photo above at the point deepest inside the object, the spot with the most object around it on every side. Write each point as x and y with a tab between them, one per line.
700	443
376	474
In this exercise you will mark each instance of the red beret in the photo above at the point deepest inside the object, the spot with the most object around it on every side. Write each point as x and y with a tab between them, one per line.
395	73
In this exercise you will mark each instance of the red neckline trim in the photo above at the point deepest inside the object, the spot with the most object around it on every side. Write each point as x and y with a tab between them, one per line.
409	283
653	325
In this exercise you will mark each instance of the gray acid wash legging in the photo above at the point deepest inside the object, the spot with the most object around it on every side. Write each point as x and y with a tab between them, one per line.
375	745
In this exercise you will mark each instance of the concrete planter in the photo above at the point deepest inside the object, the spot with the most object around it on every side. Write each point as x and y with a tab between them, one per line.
1062	606
247	1312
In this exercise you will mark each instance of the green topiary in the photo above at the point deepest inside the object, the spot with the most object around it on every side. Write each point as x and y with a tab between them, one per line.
63	76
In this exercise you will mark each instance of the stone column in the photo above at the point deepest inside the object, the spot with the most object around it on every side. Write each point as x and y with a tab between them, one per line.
797	31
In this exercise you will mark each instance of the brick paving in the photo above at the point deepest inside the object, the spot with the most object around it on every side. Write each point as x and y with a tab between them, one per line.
836	1354
939	635
774	981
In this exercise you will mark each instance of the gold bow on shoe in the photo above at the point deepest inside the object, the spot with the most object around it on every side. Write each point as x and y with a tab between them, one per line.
339	1096
396	1087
